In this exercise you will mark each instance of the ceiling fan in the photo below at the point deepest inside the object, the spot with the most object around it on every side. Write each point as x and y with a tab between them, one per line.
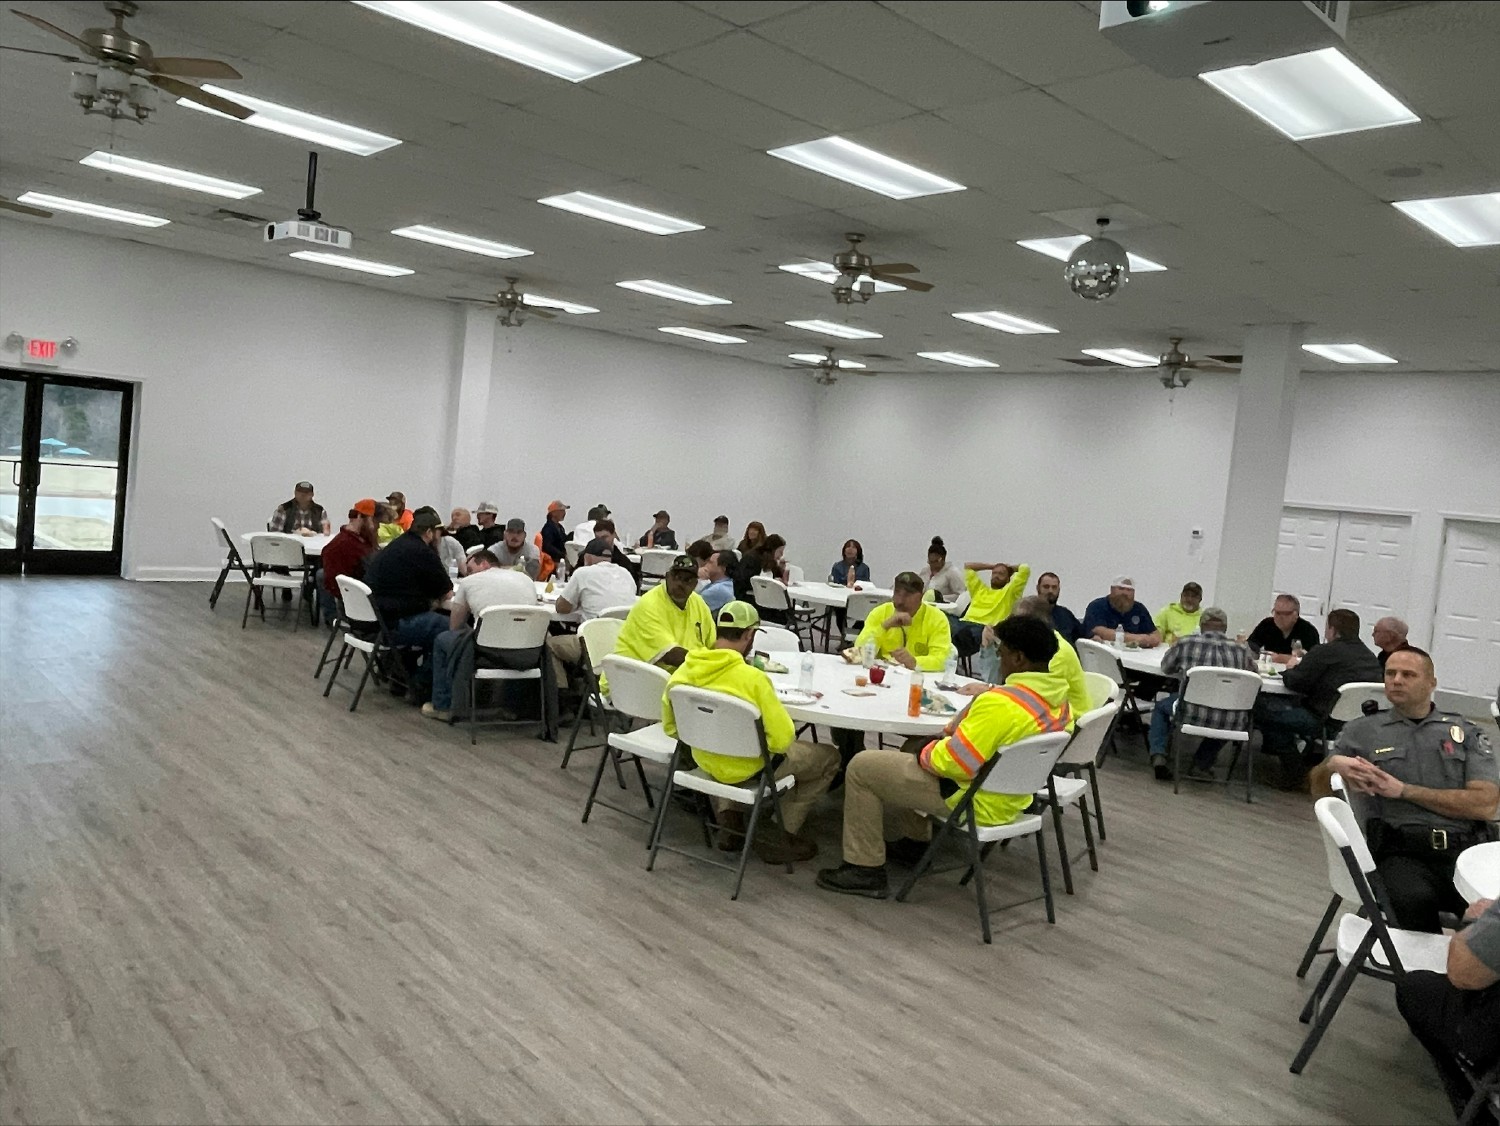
1175	367
855	275
827	366
126	70
24	208
512	306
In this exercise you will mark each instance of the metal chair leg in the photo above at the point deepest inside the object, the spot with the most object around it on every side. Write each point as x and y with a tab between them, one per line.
588	804
1041	855
1088	832
338	664
1315	945
1330	1007
1098	806
739	875
1062	846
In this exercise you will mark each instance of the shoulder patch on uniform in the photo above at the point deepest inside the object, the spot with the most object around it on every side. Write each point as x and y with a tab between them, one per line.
1482	743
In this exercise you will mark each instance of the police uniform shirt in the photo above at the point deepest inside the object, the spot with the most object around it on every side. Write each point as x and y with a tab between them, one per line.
1442	752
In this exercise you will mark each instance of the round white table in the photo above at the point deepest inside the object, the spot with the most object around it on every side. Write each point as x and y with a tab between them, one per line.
1477	873
311	545
883	713
833	595
1148	661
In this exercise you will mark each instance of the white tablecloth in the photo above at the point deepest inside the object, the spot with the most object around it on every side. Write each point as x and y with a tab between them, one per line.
311	545
1477	873
828	594
1148	661
883	713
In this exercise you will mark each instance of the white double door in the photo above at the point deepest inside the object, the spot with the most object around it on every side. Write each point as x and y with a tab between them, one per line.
1466	627
1356	560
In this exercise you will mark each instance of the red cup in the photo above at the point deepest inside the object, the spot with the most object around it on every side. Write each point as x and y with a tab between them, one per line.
877	674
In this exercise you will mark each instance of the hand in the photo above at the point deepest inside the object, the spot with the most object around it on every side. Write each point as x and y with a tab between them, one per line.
987	637
673	657
904	658
974	689
1383	784
1478	908
898	620
1281	658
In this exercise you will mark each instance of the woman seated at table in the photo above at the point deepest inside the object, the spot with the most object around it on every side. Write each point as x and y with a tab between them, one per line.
945	579
764	560
755	535
850	569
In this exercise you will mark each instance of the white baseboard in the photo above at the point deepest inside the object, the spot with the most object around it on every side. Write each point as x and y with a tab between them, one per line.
180	575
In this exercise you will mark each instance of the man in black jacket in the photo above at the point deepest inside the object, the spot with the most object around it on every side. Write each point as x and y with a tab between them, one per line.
408	585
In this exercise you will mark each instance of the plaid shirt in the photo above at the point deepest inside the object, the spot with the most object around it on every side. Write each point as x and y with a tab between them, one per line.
1215	649
310	517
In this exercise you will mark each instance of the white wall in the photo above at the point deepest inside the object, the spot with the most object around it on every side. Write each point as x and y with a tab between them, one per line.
249	380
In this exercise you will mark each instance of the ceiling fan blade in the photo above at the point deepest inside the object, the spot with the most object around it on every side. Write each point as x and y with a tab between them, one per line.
892	268
25	209
533	311
193	68
178	88
1210	364
48	54
905	283
37	21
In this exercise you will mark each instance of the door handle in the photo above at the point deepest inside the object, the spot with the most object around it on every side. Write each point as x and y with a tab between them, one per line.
15	473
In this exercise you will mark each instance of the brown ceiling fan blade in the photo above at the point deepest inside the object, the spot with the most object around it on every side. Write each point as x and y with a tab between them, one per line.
906	283
47	54
193	68
893	268
177	87
1208	364
533	311
37	21
25	209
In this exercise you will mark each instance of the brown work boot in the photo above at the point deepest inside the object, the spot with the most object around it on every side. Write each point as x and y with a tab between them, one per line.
775	846
733	821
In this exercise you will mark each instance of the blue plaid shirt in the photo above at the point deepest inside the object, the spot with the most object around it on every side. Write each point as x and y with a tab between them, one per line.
1217	649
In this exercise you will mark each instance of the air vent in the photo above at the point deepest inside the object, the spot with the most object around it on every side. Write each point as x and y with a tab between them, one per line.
225	215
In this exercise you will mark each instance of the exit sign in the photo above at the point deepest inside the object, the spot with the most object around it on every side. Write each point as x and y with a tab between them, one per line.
38	351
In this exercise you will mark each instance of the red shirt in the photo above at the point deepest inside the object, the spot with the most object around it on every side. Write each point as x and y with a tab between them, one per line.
345	554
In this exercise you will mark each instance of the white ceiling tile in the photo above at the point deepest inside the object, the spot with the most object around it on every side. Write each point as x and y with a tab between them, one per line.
649	30
1276	178
1035	127
1171	193
1410	161
685	98
1438	58
743	13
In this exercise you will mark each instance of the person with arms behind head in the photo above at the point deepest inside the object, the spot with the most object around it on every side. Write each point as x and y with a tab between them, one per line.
1210	646
1285	628
300	516
1064	621
945	579
989	603
1176	620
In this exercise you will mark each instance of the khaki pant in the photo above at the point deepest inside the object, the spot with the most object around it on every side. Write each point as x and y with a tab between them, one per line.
886	785
565	650
814	765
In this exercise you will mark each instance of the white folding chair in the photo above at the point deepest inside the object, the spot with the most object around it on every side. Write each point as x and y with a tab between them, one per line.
232	562
724	725
1020	768
503	630
1082	756
1399	951
269	550
776	639
597	639
1102	690
794	573
1232	690
655	563
635	691
858	609
574	551
771	595
1096	657
1343	887
620	612
363	632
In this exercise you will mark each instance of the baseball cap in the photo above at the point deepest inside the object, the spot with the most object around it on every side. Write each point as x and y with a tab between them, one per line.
721	520
684	563
486	506
556	506
396	494
305	485
515	524
424	518
1123	580
737	615
659	515
365	507
597	547
603	510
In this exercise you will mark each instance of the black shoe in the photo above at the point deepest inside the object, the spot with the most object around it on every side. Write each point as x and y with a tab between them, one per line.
906	851
854	879
398	689
1162	770
286	595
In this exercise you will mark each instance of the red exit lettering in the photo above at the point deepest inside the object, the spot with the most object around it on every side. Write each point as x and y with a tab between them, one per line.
41	349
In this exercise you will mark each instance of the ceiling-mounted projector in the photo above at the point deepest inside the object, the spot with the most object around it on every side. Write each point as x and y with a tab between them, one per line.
1178	38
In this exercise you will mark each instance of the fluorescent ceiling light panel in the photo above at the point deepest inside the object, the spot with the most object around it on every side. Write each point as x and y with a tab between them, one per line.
958	359
820	357
1463	220
1064	245
344	262
824	272
1317	94
1125	357
510	33
702	334
865	168
673	292
1349	354
836	328
541	302
624	214
161	174
1005	322
297	123
92	210
456	241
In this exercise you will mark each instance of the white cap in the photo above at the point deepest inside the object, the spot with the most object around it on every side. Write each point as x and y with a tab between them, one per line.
1123	580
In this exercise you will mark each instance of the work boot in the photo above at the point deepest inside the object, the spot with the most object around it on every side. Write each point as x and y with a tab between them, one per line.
1159	766
732	822
906	851
780	847
854	879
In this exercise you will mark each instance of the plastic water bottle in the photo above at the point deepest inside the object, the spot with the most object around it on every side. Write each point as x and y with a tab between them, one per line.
950	670
1120	636
452	572
805	677
1296	651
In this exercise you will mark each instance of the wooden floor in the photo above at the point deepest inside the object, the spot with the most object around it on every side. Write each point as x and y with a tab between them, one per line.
225	898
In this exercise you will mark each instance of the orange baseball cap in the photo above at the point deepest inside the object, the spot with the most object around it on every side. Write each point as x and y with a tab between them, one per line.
557	506
365	507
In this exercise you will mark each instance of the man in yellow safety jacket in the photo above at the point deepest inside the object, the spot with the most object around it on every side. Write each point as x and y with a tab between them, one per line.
1030	701
668	622
912	633
989	602
724	668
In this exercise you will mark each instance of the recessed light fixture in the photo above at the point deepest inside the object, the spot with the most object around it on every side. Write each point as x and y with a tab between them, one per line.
162	174
1316	94
298	123
92	210
344	262
824	272
1005	322
1349	354
453	239
673	292
821	358
1063	246
1125	357
865	168
836	328
512	34
1463	220
702	334
624	214
959	359
553	303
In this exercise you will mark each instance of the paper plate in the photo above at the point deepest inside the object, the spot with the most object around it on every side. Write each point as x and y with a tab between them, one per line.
795	696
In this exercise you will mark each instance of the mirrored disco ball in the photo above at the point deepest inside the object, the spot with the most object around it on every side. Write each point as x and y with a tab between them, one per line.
1097	269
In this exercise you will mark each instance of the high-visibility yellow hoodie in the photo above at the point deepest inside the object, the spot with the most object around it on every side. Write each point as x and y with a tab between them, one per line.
987	606
1066	665
656	624
1176	623
1028	703
724	670
928	638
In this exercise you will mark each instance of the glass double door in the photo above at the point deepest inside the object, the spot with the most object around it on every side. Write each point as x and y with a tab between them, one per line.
64	449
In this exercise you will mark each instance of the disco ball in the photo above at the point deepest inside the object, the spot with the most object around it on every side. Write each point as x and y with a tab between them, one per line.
1097	269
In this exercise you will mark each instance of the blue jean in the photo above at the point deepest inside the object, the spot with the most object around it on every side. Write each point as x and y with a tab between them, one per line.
443	671
420	631
1161	724
1280	721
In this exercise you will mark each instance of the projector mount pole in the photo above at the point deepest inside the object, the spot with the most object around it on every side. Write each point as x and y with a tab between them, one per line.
308	213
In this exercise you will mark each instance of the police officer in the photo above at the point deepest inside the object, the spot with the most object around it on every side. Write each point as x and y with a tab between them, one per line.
1430	783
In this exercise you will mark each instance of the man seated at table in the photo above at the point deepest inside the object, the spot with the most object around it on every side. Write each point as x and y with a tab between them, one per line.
386	527
1064	621
723	667
1389	634
660	533
486	518
555	535
585	531
408	586
1456	1015
719	571
669	621
487	584
462	528
1285	627
595	586
300	516
906	630
516	551
402	515
604	529
1065	664
1176	620
720	539
989	602
1429	784
893	785
1342	659
1119	610
346	554
1211	645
